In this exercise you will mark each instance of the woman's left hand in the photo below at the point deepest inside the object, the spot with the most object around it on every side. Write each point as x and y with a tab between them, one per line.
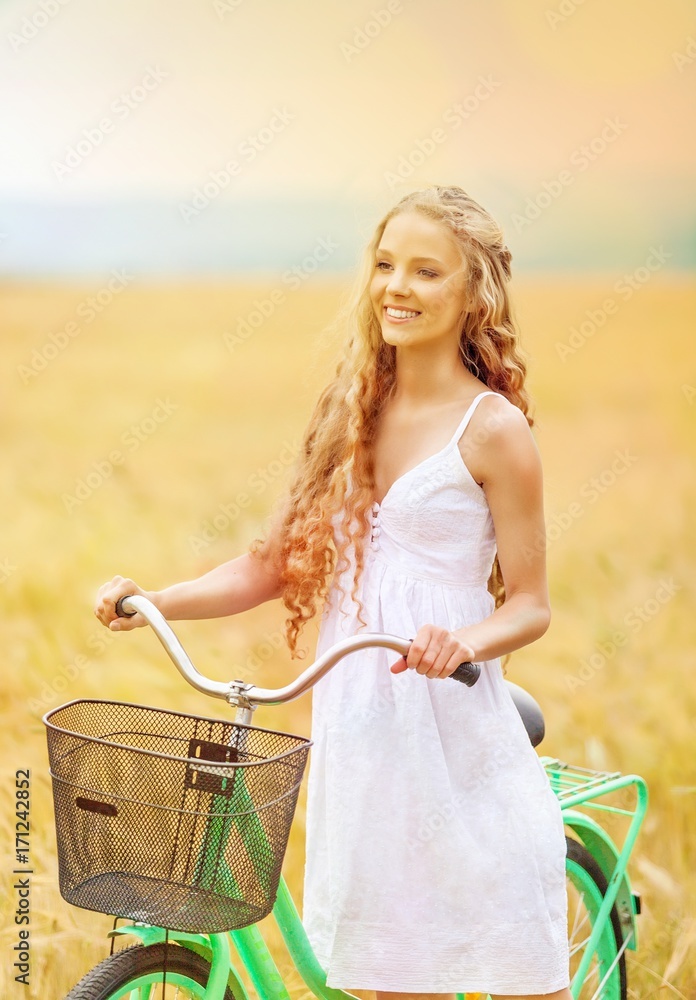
435	652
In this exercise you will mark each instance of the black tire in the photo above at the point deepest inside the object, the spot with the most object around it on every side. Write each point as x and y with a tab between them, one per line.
109	979
590	884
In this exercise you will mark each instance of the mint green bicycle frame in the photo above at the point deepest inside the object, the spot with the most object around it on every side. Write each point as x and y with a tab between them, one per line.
579	790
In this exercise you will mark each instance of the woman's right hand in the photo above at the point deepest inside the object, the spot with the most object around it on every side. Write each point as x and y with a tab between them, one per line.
105	605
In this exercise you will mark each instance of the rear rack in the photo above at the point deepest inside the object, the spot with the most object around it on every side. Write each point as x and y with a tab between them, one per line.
567	779
575	786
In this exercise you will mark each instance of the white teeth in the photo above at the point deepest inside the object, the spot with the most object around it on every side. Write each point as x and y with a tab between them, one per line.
401	313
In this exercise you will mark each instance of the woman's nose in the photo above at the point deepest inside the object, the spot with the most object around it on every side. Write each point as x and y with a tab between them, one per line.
398	283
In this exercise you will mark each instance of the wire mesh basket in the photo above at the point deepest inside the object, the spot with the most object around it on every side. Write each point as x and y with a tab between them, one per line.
171	819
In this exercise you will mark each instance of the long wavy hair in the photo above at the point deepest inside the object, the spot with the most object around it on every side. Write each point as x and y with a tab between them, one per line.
334	474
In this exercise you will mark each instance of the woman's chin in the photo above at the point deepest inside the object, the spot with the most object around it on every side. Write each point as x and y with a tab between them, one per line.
399	336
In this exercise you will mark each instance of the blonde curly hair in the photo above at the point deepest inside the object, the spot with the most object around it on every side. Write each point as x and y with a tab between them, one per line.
334	475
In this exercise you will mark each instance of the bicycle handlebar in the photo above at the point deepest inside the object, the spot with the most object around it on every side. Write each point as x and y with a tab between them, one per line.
240	693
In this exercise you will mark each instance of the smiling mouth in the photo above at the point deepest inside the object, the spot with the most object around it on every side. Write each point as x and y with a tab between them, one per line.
400	315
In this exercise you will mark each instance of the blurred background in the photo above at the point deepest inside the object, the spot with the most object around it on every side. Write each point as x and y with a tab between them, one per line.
184	193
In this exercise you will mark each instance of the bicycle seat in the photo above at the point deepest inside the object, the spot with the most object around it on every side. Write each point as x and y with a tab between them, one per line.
532	716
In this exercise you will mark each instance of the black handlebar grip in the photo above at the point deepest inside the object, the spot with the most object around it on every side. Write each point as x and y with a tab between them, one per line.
467	673
129	614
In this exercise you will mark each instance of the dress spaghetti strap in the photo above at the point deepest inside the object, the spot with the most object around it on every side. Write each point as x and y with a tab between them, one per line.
469	414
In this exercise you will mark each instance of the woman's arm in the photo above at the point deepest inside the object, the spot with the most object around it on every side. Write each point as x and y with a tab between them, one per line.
508	467
502	456
232	587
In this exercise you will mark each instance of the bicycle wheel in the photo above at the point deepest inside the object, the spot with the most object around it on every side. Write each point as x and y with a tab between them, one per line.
586	888
136	974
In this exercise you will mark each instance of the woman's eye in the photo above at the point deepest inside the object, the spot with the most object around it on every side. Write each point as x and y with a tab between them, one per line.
382	265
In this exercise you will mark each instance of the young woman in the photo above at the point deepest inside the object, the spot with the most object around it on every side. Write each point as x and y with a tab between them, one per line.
435	846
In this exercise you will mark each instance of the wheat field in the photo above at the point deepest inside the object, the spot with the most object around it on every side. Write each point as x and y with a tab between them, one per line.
151	438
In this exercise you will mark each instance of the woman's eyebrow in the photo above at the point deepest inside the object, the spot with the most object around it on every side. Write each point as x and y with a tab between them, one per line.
413	260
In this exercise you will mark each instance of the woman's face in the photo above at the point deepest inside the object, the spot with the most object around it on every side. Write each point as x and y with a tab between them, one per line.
418	283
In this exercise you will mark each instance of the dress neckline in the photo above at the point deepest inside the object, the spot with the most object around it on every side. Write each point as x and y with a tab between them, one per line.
380	503
461	427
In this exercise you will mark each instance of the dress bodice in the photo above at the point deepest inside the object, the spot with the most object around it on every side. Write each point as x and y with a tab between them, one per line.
434	521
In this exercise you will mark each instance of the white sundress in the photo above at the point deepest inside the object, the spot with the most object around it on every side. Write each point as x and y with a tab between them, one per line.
435	845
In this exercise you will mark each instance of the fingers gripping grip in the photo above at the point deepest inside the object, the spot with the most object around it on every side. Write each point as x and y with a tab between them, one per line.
466	673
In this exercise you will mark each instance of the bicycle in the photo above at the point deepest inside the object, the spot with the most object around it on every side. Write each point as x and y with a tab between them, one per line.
224	796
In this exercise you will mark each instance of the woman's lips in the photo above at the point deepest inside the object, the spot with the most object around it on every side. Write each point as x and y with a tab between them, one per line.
396	315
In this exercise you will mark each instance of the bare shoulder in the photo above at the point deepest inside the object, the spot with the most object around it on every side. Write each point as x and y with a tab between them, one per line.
498	441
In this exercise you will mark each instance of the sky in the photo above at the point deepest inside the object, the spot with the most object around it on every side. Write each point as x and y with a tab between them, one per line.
226	135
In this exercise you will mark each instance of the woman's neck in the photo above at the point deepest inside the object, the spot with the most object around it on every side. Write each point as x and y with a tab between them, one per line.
427	377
